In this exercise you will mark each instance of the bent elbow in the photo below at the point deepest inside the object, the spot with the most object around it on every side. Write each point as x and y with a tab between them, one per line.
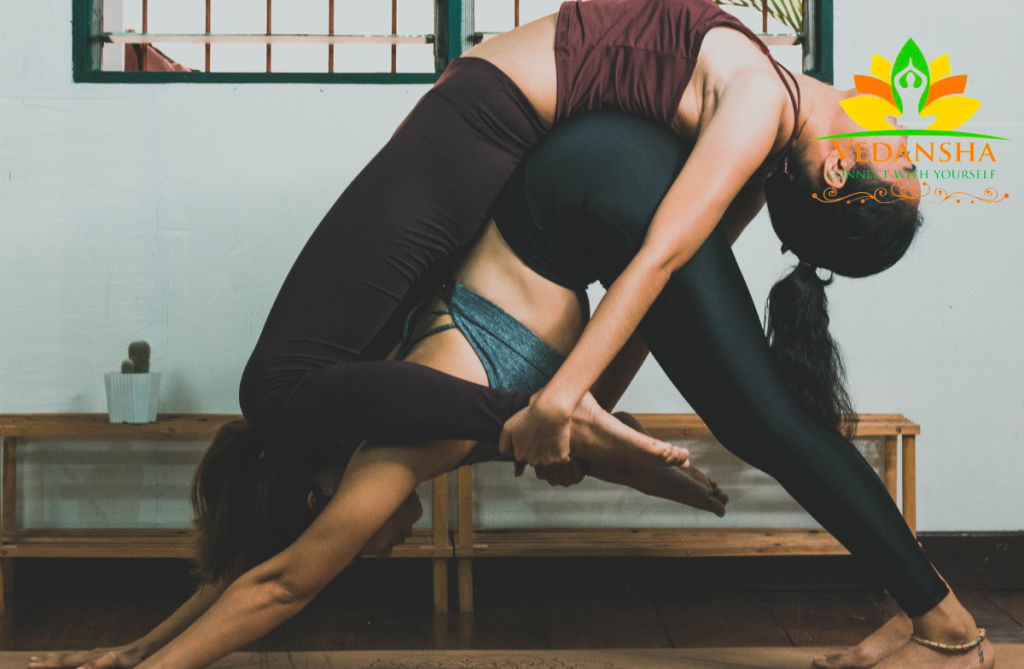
288	593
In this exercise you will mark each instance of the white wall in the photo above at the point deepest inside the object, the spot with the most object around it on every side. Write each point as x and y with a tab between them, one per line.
172	213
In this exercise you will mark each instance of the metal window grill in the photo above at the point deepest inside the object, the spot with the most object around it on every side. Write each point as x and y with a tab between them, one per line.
330	38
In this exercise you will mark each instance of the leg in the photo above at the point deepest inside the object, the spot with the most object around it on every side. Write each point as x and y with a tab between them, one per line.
317	369
709	312
706	322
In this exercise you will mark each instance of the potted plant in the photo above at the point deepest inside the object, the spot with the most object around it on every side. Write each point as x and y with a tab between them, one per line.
132	393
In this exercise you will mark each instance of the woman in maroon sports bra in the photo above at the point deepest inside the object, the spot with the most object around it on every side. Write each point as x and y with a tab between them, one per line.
318	371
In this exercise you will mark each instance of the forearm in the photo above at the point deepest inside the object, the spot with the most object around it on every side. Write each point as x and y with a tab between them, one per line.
616	378
614	322
250	608
179	621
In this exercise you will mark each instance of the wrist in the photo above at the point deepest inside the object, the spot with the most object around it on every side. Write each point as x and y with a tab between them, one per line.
139	650
554	406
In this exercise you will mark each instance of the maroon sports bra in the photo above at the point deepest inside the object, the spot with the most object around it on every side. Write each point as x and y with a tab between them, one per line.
637	56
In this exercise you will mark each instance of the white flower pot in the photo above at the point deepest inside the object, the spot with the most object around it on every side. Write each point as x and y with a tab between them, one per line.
132	398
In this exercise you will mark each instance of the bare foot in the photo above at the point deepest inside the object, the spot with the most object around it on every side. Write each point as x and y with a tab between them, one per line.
600	437
883	642
686	486
914	655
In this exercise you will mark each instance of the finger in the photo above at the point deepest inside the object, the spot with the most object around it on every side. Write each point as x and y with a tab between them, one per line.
520	468
505	443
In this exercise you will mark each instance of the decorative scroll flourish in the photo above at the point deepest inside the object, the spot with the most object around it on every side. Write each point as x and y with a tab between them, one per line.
897	193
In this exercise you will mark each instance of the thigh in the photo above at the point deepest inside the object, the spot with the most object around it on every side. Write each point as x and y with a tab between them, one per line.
451	353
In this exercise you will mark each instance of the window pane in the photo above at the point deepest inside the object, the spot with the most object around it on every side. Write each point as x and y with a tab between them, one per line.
362	18
299	57
175	16
414	58
362	57
302	17
238	57
494	16
415	17
238	16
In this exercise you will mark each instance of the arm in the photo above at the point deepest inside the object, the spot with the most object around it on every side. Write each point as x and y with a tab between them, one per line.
373	487
612	383
687	214
125	657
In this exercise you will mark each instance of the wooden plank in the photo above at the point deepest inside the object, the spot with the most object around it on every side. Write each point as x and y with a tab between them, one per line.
465	506
203	426
9	512
652	542
718	619
439	512
440	585
576	617
682	426
910	482
465	566
154	543
1010	601
184	427
1000	625
827	618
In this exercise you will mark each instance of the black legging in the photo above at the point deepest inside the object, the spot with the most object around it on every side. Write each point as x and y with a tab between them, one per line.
318	371
579	210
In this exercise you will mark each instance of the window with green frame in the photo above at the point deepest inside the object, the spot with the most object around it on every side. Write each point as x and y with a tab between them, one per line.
102	42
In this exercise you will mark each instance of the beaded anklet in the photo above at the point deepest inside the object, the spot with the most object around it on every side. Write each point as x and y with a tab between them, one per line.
954	648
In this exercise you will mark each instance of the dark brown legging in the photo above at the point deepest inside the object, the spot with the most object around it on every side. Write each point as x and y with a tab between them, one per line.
317	370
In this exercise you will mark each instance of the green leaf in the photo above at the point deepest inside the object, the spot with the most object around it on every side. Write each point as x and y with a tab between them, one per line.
910	54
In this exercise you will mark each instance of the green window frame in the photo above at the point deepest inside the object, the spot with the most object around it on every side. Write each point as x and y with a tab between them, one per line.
453	35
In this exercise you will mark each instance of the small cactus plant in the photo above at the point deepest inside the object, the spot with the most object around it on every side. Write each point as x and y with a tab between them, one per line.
138	354
127	367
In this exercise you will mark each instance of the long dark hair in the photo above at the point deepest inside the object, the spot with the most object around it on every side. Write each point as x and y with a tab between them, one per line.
249	501
855	239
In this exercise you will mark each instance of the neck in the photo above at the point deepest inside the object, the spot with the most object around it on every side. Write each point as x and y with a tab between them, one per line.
820	113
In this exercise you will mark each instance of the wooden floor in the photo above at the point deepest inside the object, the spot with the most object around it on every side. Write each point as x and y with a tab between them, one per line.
521	605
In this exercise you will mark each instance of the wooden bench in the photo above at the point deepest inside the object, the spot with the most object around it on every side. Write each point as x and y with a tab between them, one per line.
676	542
433	543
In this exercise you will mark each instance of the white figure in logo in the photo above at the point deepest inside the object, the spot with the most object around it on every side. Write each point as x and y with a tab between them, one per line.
910	84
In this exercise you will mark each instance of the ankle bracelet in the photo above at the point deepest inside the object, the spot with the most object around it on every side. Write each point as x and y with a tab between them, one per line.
950	647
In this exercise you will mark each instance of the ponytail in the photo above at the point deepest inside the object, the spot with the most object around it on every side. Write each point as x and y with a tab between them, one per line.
807	357
249	501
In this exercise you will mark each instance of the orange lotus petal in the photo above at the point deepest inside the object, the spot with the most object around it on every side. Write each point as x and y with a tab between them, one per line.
947	86
871	86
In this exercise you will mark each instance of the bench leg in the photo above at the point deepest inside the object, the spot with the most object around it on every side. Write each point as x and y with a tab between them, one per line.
7	569
910	482
465	585
8	515
440	585
889	472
